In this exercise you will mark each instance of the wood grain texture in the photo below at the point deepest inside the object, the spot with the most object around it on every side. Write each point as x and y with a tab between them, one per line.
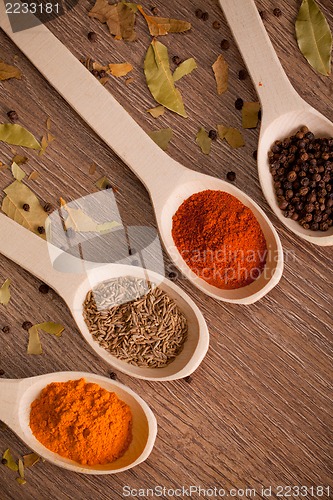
258	410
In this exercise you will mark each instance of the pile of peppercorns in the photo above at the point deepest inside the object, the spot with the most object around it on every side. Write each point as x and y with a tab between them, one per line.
302	169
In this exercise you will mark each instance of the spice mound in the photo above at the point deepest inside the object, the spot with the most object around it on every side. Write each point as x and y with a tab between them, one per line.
302	170
135	321
220	239
82	422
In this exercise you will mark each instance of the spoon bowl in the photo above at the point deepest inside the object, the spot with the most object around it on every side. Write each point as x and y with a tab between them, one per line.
32	253
283	110
168	182
17	396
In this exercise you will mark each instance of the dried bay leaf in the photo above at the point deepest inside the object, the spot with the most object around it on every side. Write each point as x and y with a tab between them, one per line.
7	71
204	141
10	462
120	69
34	344
33	176
132	6
21	468
19	159
17	172
119	17
164	25
157	111
250	112
232	135
185	68
12	205
51	328
82	223
162	137
14	134
30	459
314	37
20	480
221	70
5	293
159	78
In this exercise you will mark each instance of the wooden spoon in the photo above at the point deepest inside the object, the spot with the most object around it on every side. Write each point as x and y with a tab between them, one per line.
168	182
17	396
284	111
33	254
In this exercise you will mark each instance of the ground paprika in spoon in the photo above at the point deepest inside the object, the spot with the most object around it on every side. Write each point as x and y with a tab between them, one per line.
220	239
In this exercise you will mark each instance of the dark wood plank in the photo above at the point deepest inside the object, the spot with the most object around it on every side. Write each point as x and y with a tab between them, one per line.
258	410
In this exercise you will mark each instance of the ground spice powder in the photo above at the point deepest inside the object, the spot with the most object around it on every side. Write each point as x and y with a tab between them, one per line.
82	421
220	239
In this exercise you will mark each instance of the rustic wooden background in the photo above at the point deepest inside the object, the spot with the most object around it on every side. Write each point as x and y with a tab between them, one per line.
258	411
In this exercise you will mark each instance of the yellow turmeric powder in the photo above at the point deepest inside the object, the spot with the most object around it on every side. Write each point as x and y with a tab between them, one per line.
82	422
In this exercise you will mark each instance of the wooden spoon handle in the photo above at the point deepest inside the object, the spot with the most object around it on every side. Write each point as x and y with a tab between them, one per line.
275	91
94	103
32	253
9	392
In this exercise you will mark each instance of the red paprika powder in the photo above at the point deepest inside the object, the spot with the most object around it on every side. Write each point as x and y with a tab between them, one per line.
220	239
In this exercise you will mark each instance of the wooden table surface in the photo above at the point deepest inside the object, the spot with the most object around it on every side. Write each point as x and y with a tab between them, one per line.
258	411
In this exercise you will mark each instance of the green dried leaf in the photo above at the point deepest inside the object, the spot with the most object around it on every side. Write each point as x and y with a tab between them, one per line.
30	459
119	17
232	135
20	480
314	37
221	69
164	25
204	141
14	134
50	327
82	223
120	69
103	183
34	344
159	78
185	68
21	468
157	111
7	72
17	195
250	112
5	293
10	462
162	137
17	172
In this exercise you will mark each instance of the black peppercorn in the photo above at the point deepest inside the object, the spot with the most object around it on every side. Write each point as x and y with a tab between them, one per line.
262	14
188	379
292	176
26	207
255	154
113	376
172	275
2	372
44	288
239	103
41	229
176	60
212	134
12	115
6	329
216	25
4	461
231	176
225	44
205	16
242	74
199	13
48	207
26	325
92	37
277	12
154	10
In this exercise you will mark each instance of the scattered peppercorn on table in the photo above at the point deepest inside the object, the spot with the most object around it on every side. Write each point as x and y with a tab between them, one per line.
256	415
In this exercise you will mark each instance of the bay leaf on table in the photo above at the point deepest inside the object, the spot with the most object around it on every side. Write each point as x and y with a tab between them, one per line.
81	222
103	183
12	205
160	80
17	172
162	137
5	292
221	70
10	462
250	112
232	135
51	328
14	134
157	111
164	25
204	141
314	36
120	69
34	343
7	71
30	459
119	17
185	68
